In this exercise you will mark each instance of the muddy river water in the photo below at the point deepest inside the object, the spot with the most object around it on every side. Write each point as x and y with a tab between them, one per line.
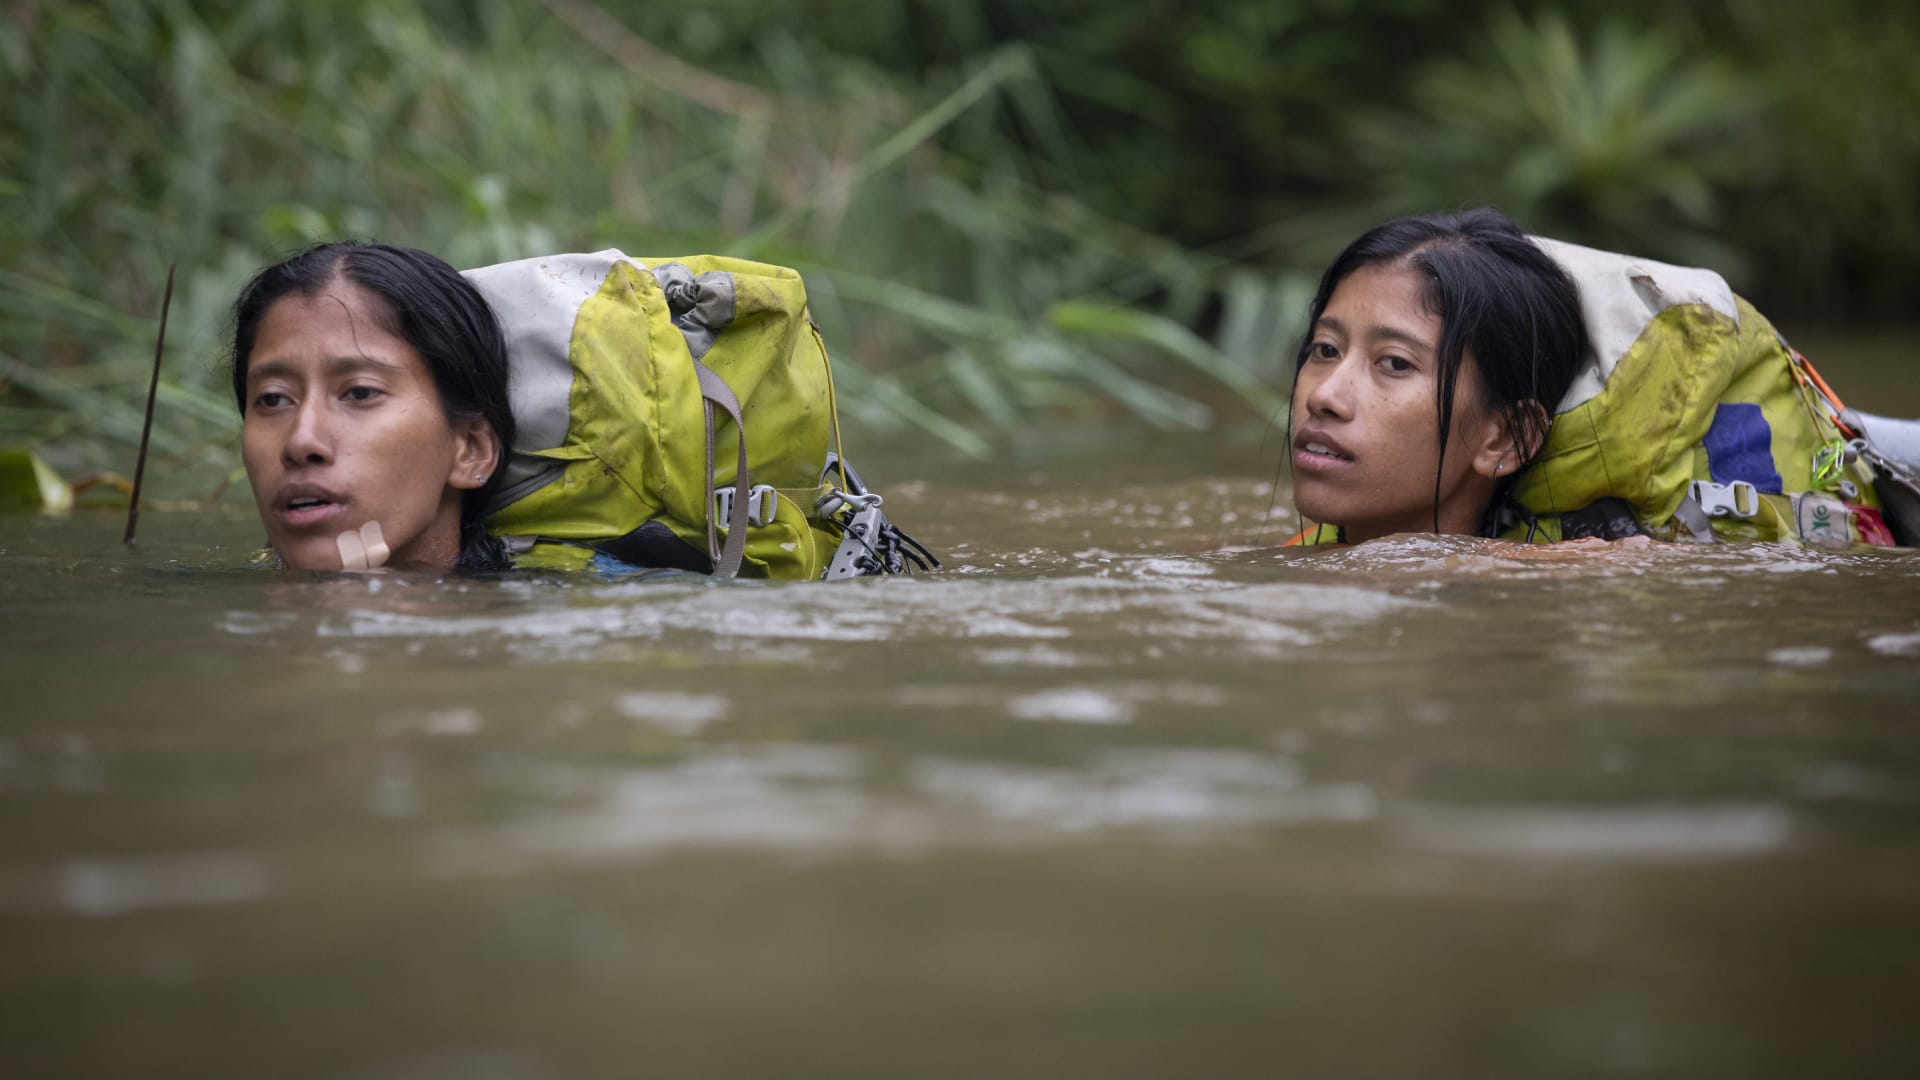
1124	791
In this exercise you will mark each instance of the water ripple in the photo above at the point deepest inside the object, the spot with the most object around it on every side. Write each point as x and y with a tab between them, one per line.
1146	602
1674	832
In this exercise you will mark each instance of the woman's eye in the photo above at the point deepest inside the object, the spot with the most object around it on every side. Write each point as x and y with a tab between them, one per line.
1399	365
363	393
271	399
1325	350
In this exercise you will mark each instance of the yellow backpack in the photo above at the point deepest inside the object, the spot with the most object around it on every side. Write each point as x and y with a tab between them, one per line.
677	413
1692	420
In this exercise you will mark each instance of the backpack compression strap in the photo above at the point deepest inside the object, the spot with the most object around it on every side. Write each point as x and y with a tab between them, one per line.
715	391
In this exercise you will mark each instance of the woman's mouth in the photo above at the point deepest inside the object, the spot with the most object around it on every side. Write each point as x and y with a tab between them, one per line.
1313	454
304	510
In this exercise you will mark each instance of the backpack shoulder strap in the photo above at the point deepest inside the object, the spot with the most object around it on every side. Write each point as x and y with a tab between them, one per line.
715	391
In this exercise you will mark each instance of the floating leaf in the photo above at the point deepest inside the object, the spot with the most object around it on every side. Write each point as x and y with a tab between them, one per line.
28	485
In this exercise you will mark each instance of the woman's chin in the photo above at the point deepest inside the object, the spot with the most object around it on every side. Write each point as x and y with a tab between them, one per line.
1319	511
309	555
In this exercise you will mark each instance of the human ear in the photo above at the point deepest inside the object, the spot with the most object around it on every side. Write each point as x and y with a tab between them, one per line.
1510	439
476	451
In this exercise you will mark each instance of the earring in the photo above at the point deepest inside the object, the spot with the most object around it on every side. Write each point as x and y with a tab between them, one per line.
479	476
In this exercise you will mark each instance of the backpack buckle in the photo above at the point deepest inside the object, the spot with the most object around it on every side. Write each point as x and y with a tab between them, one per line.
761	504
869	543
1739	499
862	539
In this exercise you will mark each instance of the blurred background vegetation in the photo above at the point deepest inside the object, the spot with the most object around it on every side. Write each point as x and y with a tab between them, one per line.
1012	215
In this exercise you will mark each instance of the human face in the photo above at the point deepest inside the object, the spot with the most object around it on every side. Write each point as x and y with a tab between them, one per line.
343	426
1366	419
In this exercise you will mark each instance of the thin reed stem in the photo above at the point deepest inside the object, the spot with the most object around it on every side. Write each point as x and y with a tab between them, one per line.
153	392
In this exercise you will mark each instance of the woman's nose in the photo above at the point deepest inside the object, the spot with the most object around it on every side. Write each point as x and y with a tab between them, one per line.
310	442
1332	393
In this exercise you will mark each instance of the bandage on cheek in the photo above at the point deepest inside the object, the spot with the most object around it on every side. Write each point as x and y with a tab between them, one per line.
376	544
363	548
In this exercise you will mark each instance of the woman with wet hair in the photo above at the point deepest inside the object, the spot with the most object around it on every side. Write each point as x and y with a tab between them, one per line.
372	384
1436	351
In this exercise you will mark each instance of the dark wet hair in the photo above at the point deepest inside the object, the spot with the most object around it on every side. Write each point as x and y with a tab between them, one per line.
427	304
1497	294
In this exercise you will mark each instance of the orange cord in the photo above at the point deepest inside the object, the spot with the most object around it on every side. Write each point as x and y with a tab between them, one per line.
1833	399
1300	538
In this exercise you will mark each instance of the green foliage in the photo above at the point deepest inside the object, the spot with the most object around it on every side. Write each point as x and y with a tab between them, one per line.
225	134
1833	225
1616	136
1005	211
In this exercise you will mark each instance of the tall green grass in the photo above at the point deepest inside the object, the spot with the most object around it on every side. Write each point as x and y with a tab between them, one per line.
1011	216
963	296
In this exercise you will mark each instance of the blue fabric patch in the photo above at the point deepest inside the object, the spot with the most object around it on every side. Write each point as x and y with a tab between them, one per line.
611	569
1740	447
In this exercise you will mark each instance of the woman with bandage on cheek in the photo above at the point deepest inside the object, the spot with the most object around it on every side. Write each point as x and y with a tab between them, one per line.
372	383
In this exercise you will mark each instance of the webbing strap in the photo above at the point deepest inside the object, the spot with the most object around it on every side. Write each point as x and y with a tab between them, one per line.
1690	515
715	391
